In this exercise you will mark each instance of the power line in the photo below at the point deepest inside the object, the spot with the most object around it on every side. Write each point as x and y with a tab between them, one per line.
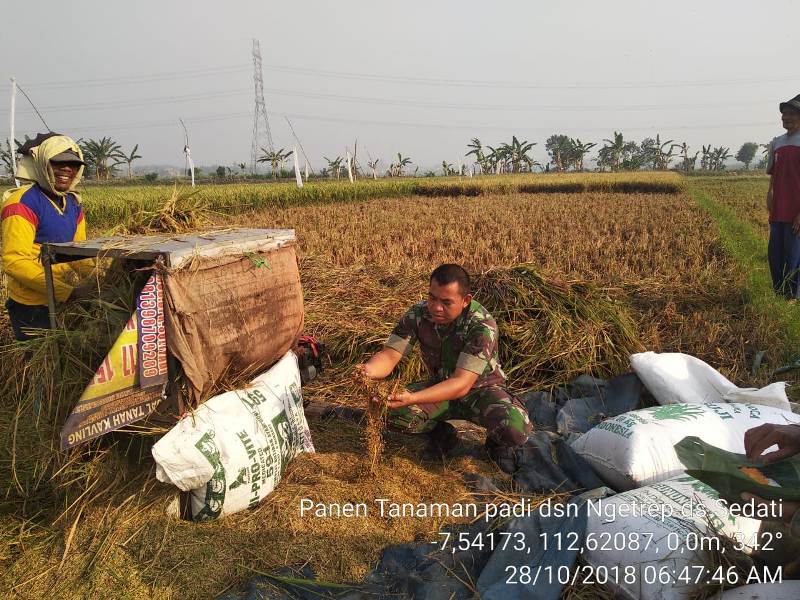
522	85
497	107
28	98
144	101
388	102
406	124
399	79
135	79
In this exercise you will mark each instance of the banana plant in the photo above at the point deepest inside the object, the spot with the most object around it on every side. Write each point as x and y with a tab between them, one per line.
334	165
275	158
580	150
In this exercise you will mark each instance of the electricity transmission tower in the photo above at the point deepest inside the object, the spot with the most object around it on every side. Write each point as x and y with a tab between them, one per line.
260	118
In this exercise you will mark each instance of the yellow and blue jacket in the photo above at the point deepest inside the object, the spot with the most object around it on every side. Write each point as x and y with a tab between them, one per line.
28	219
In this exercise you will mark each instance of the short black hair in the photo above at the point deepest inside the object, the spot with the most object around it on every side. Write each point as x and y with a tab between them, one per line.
448	273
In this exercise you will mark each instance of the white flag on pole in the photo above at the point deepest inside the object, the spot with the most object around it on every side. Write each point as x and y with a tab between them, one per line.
349	167
12	142
306	173
298	178
189	161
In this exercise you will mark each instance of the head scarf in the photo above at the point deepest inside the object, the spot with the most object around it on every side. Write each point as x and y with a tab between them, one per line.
35	166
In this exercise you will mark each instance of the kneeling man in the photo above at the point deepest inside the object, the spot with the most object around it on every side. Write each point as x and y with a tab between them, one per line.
458	339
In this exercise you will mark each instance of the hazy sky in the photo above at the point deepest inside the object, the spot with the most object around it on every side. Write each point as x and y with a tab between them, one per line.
421	78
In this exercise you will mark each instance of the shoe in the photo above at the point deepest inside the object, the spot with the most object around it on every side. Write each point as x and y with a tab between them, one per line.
504	456
441	439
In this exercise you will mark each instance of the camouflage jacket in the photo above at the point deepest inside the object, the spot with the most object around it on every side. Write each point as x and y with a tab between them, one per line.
470	342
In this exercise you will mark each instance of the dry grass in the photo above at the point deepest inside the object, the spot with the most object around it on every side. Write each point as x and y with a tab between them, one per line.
611	272
107	206
600	236
181	212
128	548
745	196
659	252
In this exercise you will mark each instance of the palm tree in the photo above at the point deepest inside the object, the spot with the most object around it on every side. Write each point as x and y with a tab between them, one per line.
580	151
519	154
480	156
372	165
275	158
561	149
658	152
334	165
497	159
718	157
98	153
402	162
687	164
396	169
614	150
129	158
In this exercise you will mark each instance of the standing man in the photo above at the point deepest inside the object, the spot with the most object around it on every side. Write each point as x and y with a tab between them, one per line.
458	339
783	203
45	210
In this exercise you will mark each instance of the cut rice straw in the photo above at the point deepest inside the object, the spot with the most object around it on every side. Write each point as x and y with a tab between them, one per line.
375	394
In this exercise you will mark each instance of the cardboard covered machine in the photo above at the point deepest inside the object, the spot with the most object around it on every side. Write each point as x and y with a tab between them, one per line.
214	304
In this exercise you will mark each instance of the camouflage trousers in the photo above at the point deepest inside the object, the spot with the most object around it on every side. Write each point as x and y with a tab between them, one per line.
504	416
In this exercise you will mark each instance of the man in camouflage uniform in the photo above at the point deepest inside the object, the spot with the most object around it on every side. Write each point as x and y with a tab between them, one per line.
458	339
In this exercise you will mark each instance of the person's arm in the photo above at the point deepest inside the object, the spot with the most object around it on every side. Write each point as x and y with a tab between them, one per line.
479	346
20	260
399	344
758	439
84	267
769	194
381	364
452	388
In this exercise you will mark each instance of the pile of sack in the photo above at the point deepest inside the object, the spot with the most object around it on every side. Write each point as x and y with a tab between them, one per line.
634	454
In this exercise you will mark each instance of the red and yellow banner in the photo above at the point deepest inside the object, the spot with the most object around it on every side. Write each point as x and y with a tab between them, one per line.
130	382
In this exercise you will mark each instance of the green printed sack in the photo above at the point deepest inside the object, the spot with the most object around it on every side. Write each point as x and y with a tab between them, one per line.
231	452
654	541
637	448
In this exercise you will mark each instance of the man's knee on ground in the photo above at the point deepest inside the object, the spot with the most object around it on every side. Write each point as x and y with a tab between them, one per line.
507	425
411	419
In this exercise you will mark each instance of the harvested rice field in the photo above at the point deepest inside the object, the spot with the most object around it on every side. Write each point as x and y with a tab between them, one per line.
578	279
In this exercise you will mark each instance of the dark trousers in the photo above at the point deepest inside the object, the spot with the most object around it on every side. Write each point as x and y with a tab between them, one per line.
783	254
24	316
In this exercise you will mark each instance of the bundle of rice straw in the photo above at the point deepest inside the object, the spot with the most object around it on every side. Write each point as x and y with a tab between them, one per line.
550	331
374	394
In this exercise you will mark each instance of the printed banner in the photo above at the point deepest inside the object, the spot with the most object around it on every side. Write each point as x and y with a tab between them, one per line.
130	382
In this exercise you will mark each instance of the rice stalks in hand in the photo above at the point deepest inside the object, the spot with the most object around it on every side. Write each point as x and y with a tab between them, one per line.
374	393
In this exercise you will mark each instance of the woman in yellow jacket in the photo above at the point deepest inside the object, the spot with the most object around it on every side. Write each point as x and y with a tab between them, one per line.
45	210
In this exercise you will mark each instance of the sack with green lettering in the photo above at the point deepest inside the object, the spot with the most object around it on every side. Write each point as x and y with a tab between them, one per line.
232	450
637	448
652	543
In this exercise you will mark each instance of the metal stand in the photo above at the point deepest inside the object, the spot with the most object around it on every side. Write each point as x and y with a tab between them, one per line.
47	261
